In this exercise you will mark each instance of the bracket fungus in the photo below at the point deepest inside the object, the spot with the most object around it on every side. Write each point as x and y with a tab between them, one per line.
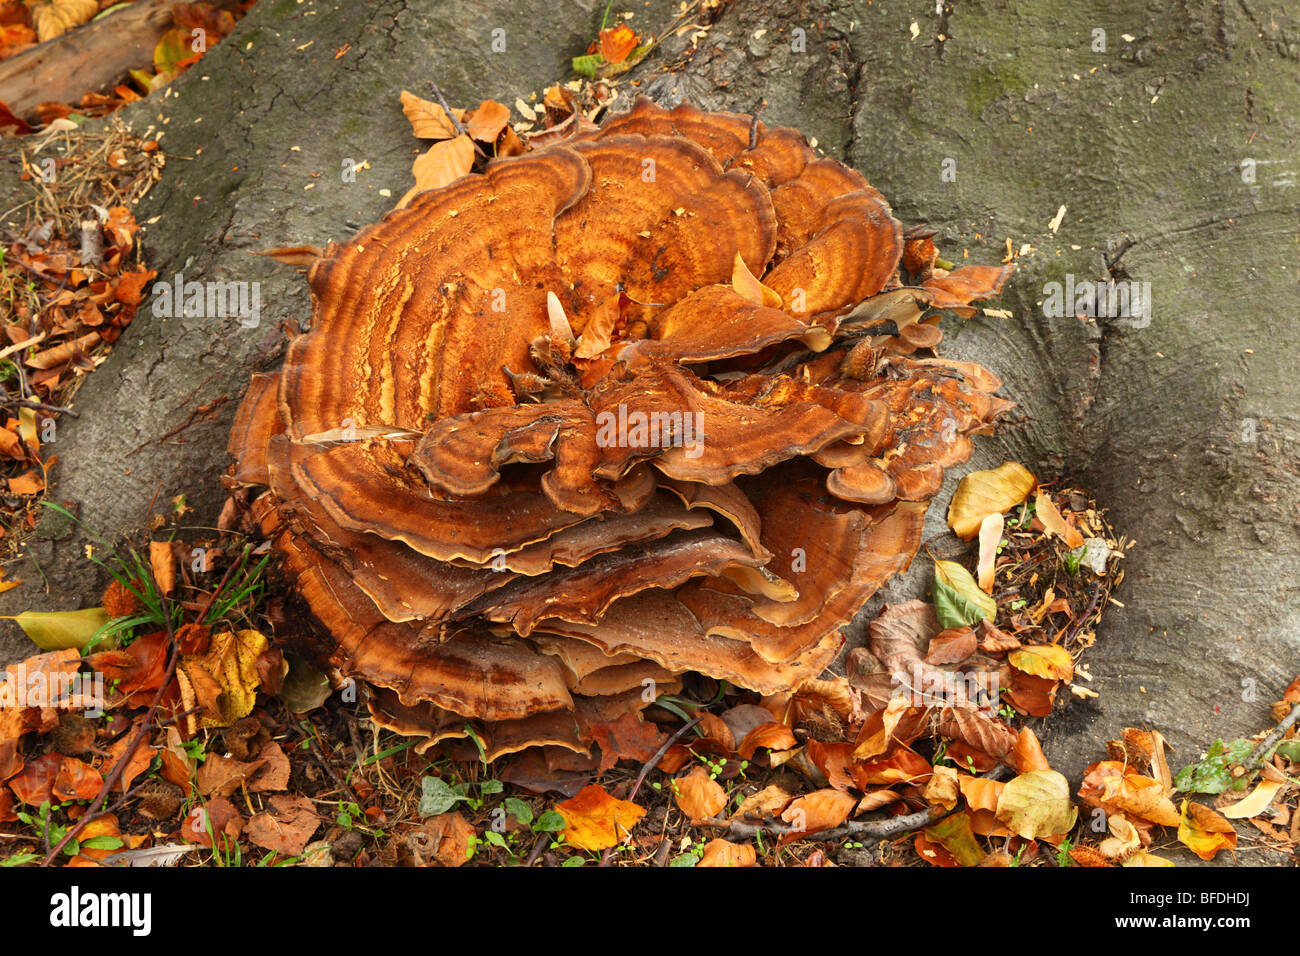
659	397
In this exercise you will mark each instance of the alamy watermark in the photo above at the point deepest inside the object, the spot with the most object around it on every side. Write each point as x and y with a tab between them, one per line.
42	688
1112	299
639	429
925	686
212	300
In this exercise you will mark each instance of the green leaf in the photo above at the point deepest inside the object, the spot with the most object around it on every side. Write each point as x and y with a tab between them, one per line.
104	842
1290	749
1214	773
958	600
491	786
496	839
588	65
952	609
437	796
57	630
549	822
18	859
574	861
518	809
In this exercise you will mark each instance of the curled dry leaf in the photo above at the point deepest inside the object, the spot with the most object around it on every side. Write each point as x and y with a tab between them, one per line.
1028	754
990	537
1046	512
768	802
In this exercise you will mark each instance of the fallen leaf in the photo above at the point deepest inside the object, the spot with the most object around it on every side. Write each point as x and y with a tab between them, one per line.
954	834
958	600
819	810
232	661
617	43
60	630
287	827
163	564
1027	754
77	780
441	839
984	493
443	163
56	17
720	852
630	737
1051	661
698	795
593	820
1256	803
768	802
1046	512
1203	831
943	789
428	119
990	537
486	121
1037	804
772	735
1147	859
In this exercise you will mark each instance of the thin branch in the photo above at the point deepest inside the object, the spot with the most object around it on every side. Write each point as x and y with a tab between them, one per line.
1257	756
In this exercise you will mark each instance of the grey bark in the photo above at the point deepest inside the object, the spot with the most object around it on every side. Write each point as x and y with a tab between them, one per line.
1187	429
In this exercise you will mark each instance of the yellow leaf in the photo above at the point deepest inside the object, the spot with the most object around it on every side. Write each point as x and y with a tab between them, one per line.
982	493
1256	803
1203	831
57	17
231	661
1037	804
1043	660
1147	859
593	820
57	630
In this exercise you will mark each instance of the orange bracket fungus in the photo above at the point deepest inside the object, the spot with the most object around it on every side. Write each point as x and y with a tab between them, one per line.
659	397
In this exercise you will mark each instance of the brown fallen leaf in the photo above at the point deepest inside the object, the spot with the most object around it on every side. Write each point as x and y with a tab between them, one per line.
698	795
442	164
819	810
441	840
721	852
287	827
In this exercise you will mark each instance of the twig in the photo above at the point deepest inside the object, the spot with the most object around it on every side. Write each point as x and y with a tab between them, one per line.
873	831
456	124
19	346
538	845
1256	758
